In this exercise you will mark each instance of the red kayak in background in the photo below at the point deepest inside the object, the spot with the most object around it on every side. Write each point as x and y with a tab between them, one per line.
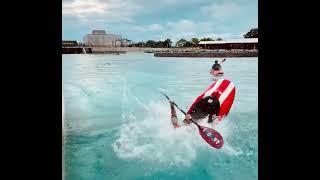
217	72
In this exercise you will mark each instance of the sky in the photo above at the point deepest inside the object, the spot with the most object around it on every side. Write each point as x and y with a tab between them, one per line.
142	20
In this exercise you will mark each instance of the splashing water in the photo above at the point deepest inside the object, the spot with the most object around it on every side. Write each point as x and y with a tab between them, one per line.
154	139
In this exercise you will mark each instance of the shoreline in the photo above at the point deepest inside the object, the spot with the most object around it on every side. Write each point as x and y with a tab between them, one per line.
162	52
207	54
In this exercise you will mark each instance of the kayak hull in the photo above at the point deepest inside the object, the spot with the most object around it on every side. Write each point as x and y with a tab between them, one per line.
217	72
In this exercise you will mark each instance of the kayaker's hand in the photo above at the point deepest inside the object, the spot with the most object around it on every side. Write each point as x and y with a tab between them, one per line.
187	119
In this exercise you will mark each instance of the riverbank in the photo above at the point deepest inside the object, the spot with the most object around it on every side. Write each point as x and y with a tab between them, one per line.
208	54
111	50
135	49
161	52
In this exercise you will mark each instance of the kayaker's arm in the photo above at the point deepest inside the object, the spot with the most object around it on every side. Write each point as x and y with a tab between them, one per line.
174	119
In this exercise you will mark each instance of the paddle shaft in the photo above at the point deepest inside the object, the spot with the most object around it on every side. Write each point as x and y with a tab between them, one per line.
179	109
222	61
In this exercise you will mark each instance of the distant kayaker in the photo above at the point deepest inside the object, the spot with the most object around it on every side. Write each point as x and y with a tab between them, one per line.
214	103
216	66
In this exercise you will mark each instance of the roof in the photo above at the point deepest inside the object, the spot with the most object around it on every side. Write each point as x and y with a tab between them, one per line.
70	44
231	41
69	41
75	43
98	32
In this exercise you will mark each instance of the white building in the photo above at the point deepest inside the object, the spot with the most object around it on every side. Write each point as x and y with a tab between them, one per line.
99	38
245	44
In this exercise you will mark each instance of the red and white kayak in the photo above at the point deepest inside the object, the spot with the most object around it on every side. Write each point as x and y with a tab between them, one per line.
217	72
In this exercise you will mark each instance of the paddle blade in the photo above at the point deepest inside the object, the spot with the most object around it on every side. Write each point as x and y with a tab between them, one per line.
211	136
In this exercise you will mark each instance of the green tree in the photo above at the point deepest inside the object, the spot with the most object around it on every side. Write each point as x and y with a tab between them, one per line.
188	44
219	39
151	43
206	39
195	41
159	44
181	43
253	33
141	44
167	43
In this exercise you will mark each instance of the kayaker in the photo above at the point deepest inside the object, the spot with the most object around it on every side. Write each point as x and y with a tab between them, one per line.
216	66
214	103
198	113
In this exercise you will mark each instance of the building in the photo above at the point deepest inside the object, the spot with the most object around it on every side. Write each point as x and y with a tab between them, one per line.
243	44
99	38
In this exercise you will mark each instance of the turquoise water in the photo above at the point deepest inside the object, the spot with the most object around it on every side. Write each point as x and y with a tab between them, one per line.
117	123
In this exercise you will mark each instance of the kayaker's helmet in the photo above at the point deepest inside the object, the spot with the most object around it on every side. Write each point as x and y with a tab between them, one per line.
216	62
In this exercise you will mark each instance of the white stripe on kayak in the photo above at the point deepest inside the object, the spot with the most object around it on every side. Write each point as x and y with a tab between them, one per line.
226	93
218	83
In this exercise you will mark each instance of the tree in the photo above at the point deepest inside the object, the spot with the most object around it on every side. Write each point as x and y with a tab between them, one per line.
181	43
188	44
141	44
219	39
167	43
206	39
160	44
253	33
195	41
151	43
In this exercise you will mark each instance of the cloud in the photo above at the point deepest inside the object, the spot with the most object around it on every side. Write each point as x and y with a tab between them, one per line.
151	27
183	25
176	36
83	8
222	10
187	29
216	19
105	10
181	2
222	35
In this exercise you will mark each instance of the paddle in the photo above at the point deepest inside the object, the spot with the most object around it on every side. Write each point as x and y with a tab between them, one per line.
211	136
222	61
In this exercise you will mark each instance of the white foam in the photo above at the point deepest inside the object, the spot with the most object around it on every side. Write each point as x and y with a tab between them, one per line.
154	139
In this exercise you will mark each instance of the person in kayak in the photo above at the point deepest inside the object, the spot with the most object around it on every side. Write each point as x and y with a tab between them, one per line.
216	66
200	111
214	103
